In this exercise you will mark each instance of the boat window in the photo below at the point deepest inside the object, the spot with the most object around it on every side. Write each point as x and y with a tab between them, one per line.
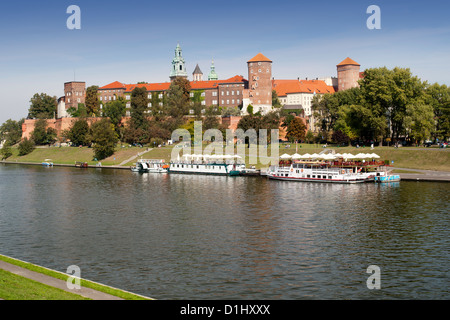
314	176
308	176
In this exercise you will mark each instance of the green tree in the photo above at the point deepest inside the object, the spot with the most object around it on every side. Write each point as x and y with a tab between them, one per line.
5	151
419	122
115	111
275	101
92	102
79	112
42	106
178	104
25	147
438	96
79	133
11	131
139	107
42	134
104	138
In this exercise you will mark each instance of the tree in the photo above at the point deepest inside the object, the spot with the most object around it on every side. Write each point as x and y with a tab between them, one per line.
139	107
42	134
340	137
438	96
42	106
419	122
92	101
296	130
178	103
11	131
185	86
5	151
79	112
275	101
309	136
104	138
79	133
387	93
26	147
115	111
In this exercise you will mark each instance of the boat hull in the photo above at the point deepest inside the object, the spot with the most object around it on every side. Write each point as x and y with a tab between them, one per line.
317	180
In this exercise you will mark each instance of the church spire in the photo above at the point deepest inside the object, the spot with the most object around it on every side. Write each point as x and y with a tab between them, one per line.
212	74
178	64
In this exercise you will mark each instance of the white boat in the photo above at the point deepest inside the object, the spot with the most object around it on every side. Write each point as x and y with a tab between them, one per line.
318	172
199	164
47	163
150	166
330	168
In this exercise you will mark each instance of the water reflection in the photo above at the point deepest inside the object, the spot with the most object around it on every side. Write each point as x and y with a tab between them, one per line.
215	237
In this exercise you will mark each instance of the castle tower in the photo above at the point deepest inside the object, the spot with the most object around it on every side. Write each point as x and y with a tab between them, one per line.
198	74
74	93
212	73
178	65
259	93
348	74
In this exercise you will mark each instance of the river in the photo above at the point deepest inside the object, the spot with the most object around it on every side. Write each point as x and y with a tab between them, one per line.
213	237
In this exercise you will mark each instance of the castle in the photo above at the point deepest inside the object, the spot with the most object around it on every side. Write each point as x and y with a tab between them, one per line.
235	92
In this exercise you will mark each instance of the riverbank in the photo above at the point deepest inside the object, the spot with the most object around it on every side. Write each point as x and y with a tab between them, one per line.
412	163
38	283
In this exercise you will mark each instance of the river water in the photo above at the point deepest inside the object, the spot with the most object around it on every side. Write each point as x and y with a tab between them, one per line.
212	237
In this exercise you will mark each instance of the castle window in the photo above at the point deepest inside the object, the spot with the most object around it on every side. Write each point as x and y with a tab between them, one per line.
259	70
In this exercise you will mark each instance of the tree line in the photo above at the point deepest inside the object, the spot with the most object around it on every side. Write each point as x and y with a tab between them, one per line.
390	105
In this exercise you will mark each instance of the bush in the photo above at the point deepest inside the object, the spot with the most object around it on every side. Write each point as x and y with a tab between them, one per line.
5	152
26	147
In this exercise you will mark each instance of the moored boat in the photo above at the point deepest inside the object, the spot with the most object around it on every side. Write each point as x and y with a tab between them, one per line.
205	164
150	166
328	168
47	163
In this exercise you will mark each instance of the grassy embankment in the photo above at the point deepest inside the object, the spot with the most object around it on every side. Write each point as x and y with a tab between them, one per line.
404	157
15	287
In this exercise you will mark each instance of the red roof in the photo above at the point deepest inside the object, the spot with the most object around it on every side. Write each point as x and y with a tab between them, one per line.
347	61
283	87
195	85
259	58
114	85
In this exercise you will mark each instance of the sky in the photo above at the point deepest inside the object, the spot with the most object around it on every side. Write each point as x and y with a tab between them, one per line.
132	41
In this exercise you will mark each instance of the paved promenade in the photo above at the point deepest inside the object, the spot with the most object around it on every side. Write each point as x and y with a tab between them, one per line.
53	282
424	175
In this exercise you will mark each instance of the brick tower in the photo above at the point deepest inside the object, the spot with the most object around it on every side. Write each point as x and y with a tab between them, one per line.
75	93
348	74
259	93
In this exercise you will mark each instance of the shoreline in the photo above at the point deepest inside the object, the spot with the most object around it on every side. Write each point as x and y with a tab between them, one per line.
423	176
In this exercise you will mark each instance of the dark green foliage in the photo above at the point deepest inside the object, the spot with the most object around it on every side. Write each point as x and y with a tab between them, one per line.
11	131
79	133
26	147
104	138
42	106
42	134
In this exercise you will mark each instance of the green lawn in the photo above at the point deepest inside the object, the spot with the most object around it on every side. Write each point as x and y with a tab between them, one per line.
15	287
63	276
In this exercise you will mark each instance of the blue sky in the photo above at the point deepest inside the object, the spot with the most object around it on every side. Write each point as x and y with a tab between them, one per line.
131	41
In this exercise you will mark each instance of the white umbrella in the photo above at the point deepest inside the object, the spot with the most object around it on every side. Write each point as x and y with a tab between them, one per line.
296	156
285	156
348	156
329	157
306	156
315	156
374	156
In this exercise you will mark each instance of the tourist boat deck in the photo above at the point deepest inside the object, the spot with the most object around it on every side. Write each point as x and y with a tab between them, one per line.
207	164
150	166
331	168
